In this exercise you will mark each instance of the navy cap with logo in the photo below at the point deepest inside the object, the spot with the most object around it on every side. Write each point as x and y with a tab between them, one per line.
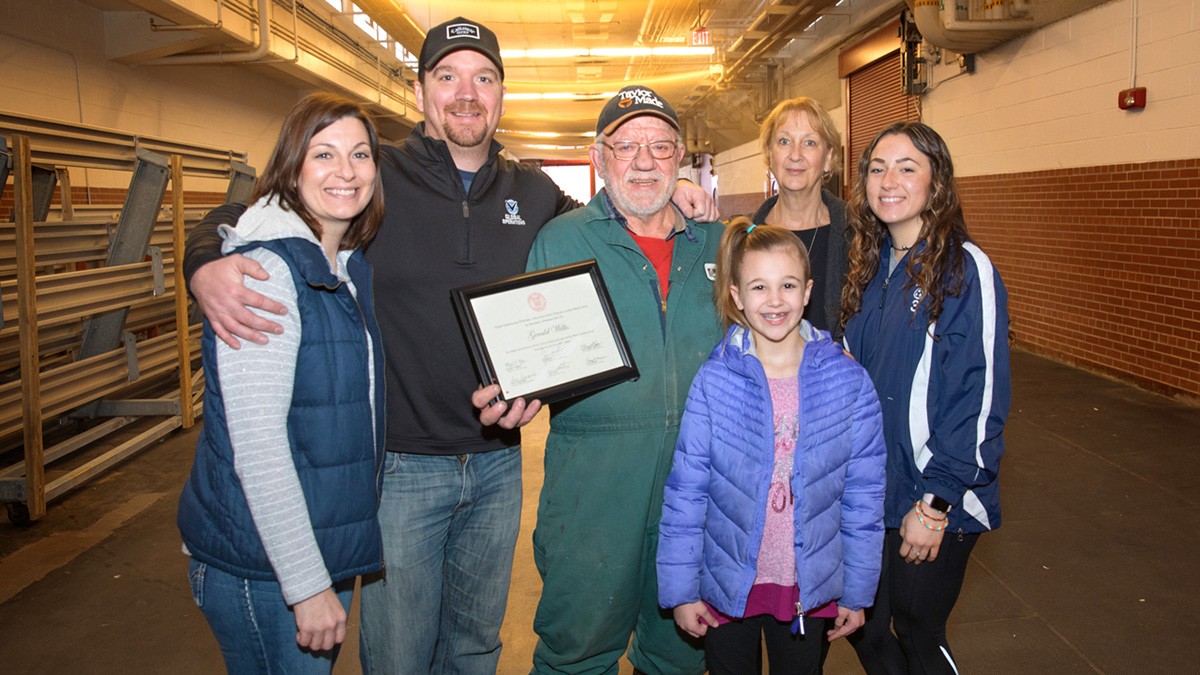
454	35
631	102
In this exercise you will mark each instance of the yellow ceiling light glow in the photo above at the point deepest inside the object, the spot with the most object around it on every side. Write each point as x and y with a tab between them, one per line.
537	146
558	96
605	52
507	54
545	134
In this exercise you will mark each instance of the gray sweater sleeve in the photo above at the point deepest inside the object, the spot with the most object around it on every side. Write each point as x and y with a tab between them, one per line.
256	382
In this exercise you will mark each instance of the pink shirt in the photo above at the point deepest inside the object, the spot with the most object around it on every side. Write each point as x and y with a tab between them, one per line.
775	591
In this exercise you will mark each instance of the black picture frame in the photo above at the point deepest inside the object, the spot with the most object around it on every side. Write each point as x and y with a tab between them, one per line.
548	335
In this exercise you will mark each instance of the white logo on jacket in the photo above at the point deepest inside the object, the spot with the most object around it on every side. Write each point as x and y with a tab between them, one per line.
918	296
513	217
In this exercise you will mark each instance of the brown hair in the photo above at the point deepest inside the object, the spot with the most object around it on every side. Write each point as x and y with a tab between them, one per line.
818	118
280	178
936	266
740	236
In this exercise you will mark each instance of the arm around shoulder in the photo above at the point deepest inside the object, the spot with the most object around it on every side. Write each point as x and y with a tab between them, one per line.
204	241
218	286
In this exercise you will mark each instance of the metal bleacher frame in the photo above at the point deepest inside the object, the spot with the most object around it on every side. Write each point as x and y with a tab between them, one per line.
92	305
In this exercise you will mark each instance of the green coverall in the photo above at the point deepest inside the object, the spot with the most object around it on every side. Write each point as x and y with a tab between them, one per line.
608	455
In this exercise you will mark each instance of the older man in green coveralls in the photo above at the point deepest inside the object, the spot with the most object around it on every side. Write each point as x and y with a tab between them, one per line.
609	453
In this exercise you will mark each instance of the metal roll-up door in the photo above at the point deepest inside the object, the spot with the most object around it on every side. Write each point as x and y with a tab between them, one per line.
877	99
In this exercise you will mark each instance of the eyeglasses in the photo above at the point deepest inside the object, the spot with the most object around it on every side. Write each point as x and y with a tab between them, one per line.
627	150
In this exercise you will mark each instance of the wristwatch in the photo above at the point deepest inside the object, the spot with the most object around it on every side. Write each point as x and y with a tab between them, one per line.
937	503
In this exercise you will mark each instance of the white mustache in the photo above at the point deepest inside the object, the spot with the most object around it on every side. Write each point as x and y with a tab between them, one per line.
645	175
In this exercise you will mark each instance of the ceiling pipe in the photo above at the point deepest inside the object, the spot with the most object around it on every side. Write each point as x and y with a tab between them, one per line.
256	54
793	23
943	28
964	37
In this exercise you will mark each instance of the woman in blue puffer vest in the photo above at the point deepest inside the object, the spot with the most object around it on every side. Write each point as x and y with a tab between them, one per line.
279	514
773	514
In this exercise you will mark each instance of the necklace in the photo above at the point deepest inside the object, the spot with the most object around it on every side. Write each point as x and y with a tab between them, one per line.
902	248
784	221
813	242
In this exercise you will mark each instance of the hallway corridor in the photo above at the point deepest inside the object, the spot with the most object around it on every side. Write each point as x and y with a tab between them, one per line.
1093	570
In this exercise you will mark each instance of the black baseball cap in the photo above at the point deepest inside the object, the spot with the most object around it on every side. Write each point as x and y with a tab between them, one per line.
630	102
454	35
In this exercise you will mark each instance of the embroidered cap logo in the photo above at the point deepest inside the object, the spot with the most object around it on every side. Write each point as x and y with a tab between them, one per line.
462	30
639	97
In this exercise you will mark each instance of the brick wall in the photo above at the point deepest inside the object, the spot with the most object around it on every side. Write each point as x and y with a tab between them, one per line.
1102	265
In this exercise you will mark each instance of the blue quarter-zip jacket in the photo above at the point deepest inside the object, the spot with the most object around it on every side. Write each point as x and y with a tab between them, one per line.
944	389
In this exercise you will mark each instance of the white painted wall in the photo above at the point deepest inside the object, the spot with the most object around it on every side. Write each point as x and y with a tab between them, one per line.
53	65
1048	100
741	170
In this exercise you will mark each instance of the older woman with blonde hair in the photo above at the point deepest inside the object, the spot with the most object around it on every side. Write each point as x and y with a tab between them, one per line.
802	148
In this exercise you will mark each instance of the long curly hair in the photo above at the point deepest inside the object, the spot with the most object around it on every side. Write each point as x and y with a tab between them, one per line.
741	235
309	117
936	262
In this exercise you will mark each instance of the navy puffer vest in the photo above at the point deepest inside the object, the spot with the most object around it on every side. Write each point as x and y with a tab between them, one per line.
337	457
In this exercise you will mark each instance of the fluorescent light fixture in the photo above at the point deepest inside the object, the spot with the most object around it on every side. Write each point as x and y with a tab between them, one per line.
545	134
537	146
542	53
605	52
559	96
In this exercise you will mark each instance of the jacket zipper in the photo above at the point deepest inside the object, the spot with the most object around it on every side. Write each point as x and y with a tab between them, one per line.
362	317
797	473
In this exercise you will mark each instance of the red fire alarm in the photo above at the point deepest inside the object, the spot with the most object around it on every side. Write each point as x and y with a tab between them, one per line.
1132	99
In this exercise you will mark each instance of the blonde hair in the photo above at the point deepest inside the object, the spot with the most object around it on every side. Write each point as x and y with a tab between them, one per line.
818	118
741	236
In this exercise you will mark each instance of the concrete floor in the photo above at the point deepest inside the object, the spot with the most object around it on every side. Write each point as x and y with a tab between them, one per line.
1094	570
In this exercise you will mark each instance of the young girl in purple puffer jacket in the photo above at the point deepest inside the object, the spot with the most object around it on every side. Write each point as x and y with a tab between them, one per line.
773	514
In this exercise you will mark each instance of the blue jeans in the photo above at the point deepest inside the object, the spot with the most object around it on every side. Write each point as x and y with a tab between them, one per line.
253	625
449	530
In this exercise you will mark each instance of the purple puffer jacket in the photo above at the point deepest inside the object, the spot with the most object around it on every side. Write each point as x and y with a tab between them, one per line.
716	495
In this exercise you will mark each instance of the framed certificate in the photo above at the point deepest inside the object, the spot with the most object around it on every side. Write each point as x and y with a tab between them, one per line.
547	335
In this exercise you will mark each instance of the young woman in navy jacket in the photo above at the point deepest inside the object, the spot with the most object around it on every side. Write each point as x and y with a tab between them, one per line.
926	314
